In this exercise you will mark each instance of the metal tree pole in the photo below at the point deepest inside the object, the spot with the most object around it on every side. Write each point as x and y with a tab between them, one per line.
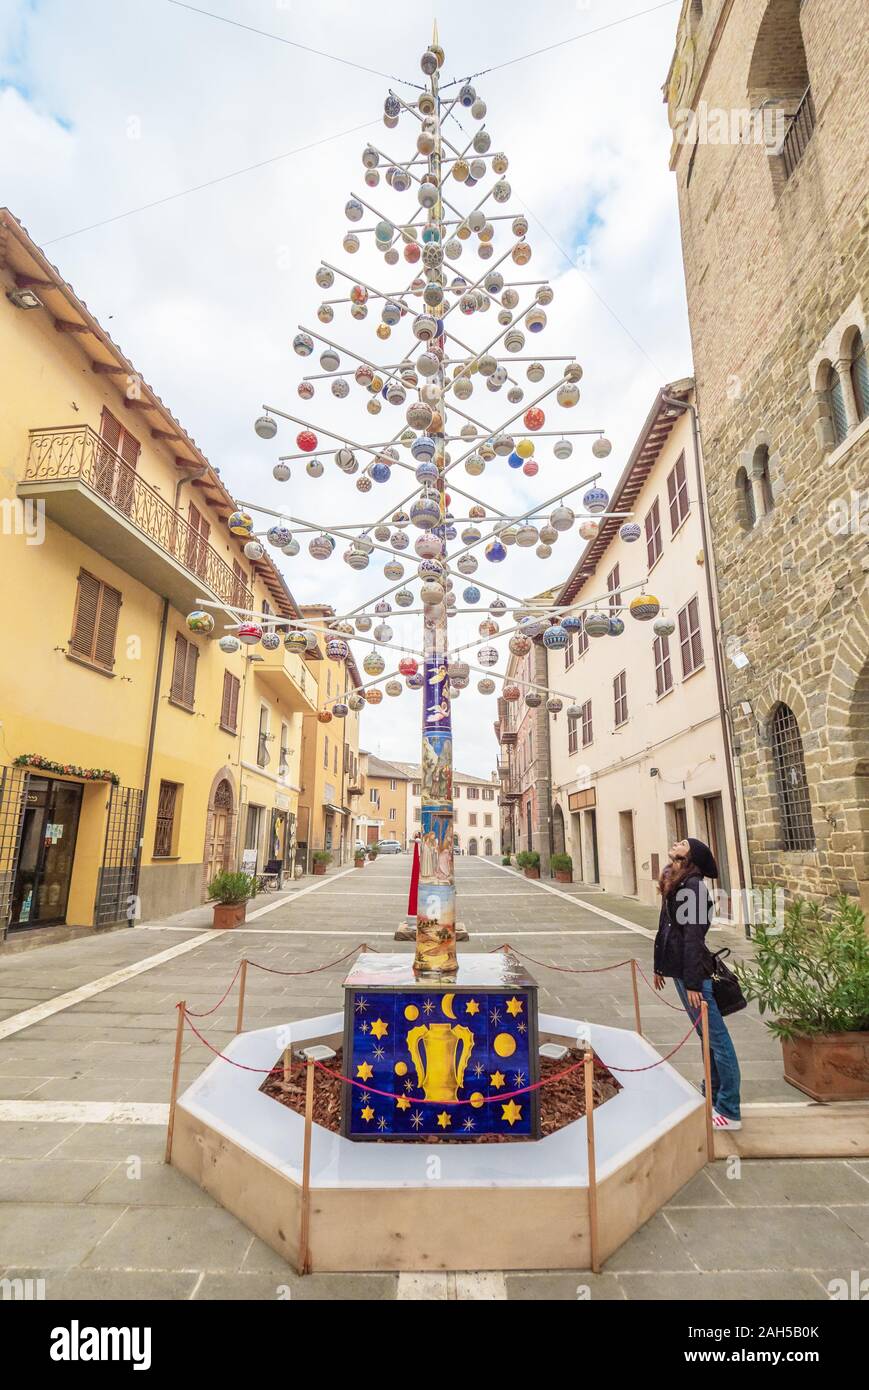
436	910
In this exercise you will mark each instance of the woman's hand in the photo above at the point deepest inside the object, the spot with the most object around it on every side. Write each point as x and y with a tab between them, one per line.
659	981
695	998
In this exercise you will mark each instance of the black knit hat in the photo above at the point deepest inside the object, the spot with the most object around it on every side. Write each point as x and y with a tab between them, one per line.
702	856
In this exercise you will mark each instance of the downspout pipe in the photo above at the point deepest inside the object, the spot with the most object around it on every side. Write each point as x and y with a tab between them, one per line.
149	755
737	807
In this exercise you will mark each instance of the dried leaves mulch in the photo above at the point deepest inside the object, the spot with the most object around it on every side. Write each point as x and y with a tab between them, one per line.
561	1102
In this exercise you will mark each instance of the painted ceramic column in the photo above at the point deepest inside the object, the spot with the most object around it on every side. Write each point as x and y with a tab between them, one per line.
436	907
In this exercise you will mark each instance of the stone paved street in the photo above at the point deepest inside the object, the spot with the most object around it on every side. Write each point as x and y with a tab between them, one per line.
86	1034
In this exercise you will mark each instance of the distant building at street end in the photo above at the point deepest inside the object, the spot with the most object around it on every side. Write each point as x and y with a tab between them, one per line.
522	731
774	233
639	758
476	811
383	804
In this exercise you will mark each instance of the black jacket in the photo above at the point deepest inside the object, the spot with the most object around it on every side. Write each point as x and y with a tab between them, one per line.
680	943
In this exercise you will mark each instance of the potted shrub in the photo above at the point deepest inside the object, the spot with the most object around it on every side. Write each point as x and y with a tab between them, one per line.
229	892
321	858
505	859
812	976
359	859
373	852
529	861
562	867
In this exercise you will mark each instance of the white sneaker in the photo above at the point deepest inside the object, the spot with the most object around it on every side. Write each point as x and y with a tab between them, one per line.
723	1122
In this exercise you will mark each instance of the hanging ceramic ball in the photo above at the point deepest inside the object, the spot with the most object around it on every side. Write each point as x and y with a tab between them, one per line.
278	535
515	395
601	448
489	628
266	427
324	277
429	546
390	256
363	623
500	163
595	500
485	251
305	390
644	607
383	632
503	445
467	564
253	550
229	645
412	253
425	328
346	460
431	592
393	688
630	531
291	548
510	298
281	472
471	534
427	195
401	181
425	141
471	594
321	547
501	191
355	701
461	170
521	253
393	569
325	313
372	176
249	634
531	468
519	644
340	389
373	664
495	552
400	540
240	523
353	210
488	656
373	408
303	344
597	623
571	622
370	157
374	696
514	341
497	606
573	372
425	511
617	627
482	142
350	243
463	388
200	621
567	395
306	440
511	693
664	627
533	699
324	716
534	419
486	686
380	472
563	449
554	705
337	649
562	518
433	294
588	530
526	536
314	468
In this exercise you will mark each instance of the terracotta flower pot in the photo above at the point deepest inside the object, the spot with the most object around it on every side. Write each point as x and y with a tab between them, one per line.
829	1067
359	863
319	868
563	876
228	915
532	873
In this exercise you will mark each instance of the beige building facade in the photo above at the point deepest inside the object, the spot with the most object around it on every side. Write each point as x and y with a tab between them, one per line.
644	762
476	811
774	232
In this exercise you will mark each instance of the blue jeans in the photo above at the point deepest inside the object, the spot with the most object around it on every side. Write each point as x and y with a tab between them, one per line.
724	1066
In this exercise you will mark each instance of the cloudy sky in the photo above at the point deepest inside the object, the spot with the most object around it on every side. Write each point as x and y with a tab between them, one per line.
112	111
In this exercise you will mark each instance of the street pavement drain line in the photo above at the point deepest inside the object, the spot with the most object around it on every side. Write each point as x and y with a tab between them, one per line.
28	1017
581	902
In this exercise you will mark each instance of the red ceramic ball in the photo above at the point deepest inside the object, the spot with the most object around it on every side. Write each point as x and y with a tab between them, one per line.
307	441
534	418
530	468
407	666
412	252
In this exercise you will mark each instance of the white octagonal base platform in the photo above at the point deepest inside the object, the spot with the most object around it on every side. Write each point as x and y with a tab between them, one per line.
395	1206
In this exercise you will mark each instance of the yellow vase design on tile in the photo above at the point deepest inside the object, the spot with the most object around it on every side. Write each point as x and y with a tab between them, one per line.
442	1073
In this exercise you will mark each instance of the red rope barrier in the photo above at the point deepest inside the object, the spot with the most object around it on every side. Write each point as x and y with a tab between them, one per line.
394	1095
271	970
221	1000
658	994
567	969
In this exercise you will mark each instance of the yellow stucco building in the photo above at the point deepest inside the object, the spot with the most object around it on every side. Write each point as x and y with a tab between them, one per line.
329	800
383	813
137	758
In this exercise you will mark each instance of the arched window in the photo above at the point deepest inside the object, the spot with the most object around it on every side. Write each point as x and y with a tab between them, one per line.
778	82
836	404
760	480
795	807
860	376
745	500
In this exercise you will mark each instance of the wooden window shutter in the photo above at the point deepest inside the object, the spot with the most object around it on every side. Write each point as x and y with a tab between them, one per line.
129	449
84	621
110	429
229	704
107	626
190	675
176	692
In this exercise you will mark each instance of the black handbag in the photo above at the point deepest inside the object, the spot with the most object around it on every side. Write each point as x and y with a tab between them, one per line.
725	986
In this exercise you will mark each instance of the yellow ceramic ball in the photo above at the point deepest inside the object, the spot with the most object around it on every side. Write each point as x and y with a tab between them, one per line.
525	448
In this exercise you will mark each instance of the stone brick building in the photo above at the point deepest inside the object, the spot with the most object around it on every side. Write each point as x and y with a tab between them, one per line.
769	108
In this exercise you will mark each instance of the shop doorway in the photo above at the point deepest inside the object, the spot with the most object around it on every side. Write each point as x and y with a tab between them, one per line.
49	827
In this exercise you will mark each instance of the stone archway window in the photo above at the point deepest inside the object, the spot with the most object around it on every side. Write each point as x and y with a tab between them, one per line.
795	807
836	404
745	500
859	373
223	796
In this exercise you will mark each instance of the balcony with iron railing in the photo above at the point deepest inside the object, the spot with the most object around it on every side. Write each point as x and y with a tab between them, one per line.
289	678
798	133
91	491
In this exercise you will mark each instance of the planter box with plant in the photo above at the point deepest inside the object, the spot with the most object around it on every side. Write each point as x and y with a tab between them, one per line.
505	860
812	976
230	892
321	859
529	861
373	852
562	867
359	860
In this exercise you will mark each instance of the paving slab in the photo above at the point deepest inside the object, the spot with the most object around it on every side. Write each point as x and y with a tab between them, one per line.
771	1238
